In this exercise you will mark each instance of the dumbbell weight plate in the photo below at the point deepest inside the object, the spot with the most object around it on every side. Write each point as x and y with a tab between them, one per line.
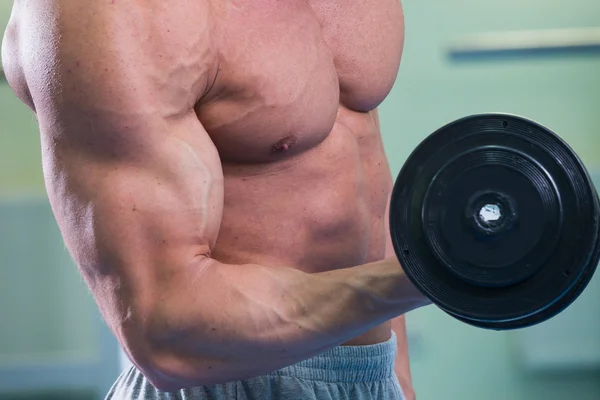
496	220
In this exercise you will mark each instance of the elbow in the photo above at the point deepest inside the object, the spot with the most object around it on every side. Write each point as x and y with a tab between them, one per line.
169	368
161	374
166	371
152	362
171	350
157	372
171	373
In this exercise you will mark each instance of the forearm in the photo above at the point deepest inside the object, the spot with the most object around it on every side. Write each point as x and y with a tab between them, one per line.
240	321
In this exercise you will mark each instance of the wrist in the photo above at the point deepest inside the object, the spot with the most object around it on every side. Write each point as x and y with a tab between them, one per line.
388	287
406	293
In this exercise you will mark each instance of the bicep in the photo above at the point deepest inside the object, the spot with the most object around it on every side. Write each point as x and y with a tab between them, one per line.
137	197
137	220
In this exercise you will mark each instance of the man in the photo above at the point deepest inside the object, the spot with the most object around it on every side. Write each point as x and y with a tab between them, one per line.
218	175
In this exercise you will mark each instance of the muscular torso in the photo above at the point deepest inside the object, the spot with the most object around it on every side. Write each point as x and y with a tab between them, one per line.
289	104
306	179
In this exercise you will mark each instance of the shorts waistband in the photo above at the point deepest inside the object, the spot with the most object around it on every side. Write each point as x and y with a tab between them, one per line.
347	364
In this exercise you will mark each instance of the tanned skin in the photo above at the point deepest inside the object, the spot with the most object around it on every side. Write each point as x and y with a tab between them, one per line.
217	171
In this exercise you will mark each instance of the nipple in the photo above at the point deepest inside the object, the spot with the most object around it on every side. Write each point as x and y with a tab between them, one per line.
284	144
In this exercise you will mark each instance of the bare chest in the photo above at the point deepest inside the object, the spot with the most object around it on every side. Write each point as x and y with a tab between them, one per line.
285	69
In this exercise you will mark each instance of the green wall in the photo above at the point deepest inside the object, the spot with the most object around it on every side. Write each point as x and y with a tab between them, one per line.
450	359
20	165
561	93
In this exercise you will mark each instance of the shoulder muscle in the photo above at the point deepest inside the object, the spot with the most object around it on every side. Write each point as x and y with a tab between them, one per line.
148	53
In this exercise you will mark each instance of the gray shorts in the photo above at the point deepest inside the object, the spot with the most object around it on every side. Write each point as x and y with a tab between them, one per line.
345	372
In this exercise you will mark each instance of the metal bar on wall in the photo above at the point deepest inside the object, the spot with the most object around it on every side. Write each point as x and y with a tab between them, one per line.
518	44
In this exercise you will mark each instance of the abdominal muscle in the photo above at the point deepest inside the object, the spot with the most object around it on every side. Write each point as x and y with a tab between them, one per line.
316	211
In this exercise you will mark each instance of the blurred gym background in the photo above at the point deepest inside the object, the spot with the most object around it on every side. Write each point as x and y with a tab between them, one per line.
53	345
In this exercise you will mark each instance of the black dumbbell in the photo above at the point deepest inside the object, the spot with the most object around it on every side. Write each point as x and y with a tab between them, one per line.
496	219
